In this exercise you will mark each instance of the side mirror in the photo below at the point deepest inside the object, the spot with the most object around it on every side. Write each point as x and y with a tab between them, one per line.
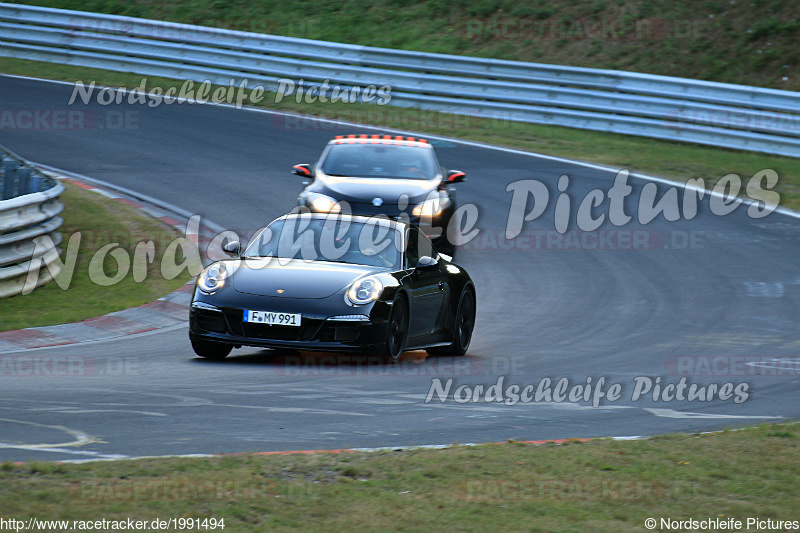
303	170
456	176
426	261
233	248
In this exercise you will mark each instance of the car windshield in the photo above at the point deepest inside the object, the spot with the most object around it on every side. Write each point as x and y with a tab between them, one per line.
380	161
372	242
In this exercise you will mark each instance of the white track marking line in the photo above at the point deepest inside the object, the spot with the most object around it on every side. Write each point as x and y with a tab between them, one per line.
672	413
81	438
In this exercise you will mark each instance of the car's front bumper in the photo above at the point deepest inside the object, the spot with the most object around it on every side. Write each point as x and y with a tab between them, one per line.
320	329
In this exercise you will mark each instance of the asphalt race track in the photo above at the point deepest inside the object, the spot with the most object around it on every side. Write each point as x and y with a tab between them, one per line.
711	289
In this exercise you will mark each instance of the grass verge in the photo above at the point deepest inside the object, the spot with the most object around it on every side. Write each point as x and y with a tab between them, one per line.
597	486
673	160
100	221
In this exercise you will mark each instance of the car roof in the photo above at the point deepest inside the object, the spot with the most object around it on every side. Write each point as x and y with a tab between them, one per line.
380	220
397	140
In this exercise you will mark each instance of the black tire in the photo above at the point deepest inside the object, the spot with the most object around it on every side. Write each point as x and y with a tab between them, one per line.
211	350
396	331
462	330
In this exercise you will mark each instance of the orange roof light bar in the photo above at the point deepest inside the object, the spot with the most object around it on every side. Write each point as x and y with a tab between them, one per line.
364	138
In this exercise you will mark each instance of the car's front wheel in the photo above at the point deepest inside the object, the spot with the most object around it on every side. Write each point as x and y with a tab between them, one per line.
397	331
211	350
462	332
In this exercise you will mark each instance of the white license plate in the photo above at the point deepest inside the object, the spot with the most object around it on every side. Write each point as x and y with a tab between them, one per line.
274	319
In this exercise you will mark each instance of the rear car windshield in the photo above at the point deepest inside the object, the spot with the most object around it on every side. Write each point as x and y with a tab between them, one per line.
380	161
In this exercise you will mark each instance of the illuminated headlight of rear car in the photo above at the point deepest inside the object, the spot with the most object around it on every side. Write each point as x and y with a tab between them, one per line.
212	278
365	290
323	204
432	207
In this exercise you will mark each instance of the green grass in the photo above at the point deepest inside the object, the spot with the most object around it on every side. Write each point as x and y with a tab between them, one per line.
100	221
746	42
600	486
672	160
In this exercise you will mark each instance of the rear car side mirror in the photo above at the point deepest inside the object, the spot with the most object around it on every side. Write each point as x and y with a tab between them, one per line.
456	176
303	170
233	248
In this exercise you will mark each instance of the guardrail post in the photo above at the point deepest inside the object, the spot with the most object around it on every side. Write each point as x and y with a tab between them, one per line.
27	180
23	180
9	179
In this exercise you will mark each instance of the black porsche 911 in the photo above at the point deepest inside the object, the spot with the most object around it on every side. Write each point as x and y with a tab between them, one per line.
334	283
382	174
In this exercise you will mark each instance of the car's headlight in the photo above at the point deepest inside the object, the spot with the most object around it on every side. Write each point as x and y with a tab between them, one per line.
432	207
323	204
365	290
212	278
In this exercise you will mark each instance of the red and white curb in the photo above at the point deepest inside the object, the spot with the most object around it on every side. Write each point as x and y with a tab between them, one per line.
554	442
168	311
101	457
98	456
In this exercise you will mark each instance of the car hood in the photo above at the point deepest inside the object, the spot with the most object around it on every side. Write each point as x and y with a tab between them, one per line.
296	279
363	190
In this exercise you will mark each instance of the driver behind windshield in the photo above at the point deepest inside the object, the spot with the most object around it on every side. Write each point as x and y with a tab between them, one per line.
363	243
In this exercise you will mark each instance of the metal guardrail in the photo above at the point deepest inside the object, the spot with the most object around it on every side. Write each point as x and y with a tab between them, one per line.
29	222
733	116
